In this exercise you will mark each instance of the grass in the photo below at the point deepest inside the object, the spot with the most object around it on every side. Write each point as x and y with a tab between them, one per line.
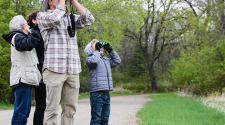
216	102
4	106
169	109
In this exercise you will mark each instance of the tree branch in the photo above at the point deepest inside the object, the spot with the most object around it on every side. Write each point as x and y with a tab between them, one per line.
192	8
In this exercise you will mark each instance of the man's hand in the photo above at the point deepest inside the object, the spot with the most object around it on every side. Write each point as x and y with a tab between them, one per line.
74	0
62	3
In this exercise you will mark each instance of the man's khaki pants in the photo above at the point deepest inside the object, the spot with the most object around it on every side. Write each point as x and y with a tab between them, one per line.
61	89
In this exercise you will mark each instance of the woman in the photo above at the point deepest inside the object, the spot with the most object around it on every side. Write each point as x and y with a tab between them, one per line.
40	91
24	72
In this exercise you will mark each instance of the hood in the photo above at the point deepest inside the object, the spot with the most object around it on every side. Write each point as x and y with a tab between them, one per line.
8	37
88	50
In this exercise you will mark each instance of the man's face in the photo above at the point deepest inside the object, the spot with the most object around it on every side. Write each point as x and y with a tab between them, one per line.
53	3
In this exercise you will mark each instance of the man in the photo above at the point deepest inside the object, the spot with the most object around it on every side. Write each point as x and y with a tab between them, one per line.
62	62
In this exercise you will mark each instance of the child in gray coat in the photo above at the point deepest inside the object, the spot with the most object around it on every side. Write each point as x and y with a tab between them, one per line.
100	81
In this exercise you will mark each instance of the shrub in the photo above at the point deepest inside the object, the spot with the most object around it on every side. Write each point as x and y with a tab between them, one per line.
201	71
5	89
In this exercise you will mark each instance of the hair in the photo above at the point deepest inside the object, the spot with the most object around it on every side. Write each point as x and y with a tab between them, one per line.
17	22
30	18
94	41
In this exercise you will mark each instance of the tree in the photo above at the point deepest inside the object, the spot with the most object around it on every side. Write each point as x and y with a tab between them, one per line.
160	27
112	17
8	10
200	68
25	7
210	14
5	15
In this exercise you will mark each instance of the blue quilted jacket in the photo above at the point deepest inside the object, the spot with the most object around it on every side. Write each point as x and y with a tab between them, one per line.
100	70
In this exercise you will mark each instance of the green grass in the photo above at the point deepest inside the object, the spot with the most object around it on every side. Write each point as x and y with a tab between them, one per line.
169	109
84	95
4	106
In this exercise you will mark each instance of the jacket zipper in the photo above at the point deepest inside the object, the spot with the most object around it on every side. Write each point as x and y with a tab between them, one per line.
107	73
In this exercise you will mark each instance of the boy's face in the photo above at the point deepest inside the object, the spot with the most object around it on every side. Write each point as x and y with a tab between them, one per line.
102	51
93	45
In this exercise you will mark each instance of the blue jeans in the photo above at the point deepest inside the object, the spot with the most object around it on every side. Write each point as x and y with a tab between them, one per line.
100	108
22	105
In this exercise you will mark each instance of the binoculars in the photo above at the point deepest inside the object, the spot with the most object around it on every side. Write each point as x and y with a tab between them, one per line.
71	27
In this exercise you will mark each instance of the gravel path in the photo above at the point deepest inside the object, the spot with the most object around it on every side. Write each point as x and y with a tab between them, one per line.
123	111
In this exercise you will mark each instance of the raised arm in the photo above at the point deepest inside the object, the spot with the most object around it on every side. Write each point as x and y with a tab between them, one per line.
85	18
48	20
93	60
114	59
26	43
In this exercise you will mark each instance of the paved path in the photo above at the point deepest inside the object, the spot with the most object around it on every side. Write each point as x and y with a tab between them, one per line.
123	111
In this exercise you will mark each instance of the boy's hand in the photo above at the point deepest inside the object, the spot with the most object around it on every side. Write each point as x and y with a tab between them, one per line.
93	46
108	48
98	46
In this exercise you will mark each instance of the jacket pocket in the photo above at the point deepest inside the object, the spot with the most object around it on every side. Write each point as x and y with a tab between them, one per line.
15	75
32	76
95	95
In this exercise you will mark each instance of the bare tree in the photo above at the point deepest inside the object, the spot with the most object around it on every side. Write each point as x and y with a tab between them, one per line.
221	13
153	35
210	8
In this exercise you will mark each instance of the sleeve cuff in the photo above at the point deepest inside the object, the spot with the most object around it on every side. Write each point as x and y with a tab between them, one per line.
86	13
96	53
112	52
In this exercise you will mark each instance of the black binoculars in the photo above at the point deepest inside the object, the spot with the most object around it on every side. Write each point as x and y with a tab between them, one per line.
71	28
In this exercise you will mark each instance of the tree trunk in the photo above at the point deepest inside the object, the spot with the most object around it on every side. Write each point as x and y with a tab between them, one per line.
152	79
222	15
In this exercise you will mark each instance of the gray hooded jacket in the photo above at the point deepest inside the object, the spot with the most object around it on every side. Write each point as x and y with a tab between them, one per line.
100	69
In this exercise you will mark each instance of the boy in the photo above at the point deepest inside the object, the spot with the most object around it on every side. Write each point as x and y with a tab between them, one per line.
100	82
